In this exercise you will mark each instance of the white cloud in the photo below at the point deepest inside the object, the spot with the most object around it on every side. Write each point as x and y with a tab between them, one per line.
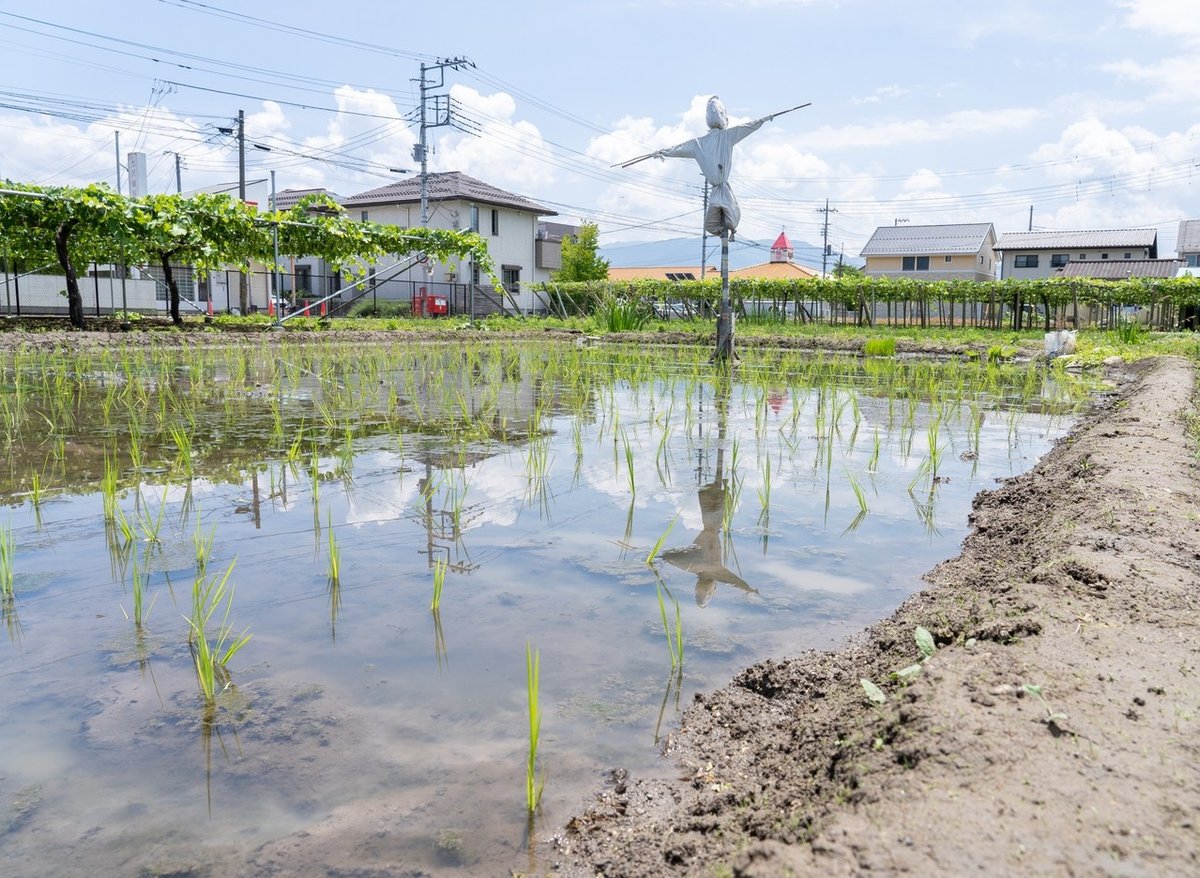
960	124
887	91
1175	18
507	152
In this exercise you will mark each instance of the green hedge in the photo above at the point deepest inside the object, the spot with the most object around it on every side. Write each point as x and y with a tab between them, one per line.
851	293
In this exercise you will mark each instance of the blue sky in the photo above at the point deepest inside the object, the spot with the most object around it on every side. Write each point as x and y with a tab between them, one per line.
923	111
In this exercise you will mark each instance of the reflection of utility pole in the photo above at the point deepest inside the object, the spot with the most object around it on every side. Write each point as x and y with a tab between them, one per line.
704	236
440	107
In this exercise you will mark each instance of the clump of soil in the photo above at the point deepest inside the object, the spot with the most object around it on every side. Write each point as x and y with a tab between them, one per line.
1053	731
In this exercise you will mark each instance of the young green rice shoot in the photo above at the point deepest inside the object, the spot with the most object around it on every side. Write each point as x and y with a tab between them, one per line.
533	784
674	635
439	581
8	551
212	650
658	544
334	553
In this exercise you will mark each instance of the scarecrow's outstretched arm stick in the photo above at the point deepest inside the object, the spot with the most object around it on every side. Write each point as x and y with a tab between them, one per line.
641	158
658	153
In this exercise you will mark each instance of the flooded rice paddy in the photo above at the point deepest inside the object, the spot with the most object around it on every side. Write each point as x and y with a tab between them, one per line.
644	524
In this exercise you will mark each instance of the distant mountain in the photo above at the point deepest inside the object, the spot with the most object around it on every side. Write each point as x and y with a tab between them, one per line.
743	253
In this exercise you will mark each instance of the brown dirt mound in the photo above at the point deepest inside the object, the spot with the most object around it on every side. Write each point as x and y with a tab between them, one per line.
1053	731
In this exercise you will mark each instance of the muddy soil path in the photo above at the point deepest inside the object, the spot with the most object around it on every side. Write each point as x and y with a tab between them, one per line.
1054	731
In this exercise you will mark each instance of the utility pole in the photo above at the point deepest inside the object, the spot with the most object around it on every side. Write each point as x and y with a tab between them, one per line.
124	297
827	210
1031	217
440	110
243	278
117	135
178	174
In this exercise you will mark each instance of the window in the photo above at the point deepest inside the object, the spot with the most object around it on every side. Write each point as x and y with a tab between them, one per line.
949	258
495	222
511	278
1083	257
303	279
1128	255
1103	255
915	263
1193	260
364	216
474	219
1058	260
1025	260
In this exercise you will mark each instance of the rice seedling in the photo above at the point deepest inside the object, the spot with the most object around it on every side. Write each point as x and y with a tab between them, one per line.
108	488
533	784
8	552
334	553
674	635
629	467
439	581
184	457
210	656
137	588
151	526
859	495
764	488
879	347
873	461
658	544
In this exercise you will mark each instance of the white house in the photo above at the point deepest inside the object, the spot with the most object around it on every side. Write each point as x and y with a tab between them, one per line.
507	221
1040	254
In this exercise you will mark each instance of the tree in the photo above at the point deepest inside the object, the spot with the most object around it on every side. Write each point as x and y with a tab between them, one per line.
66	225
580	260
845	269
319	226
204	231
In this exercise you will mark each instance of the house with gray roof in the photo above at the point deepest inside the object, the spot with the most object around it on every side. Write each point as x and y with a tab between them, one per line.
1187	244
1039	254
506	220
962	251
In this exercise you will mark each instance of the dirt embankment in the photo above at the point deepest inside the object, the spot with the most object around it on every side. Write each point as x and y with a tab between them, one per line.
1053	731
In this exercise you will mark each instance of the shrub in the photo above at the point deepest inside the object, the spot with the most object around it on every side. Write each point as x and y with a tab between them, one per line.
368	307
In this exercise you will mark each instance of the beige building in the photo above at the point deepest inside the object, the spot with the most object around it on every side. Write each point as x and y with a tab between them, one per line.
961	251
